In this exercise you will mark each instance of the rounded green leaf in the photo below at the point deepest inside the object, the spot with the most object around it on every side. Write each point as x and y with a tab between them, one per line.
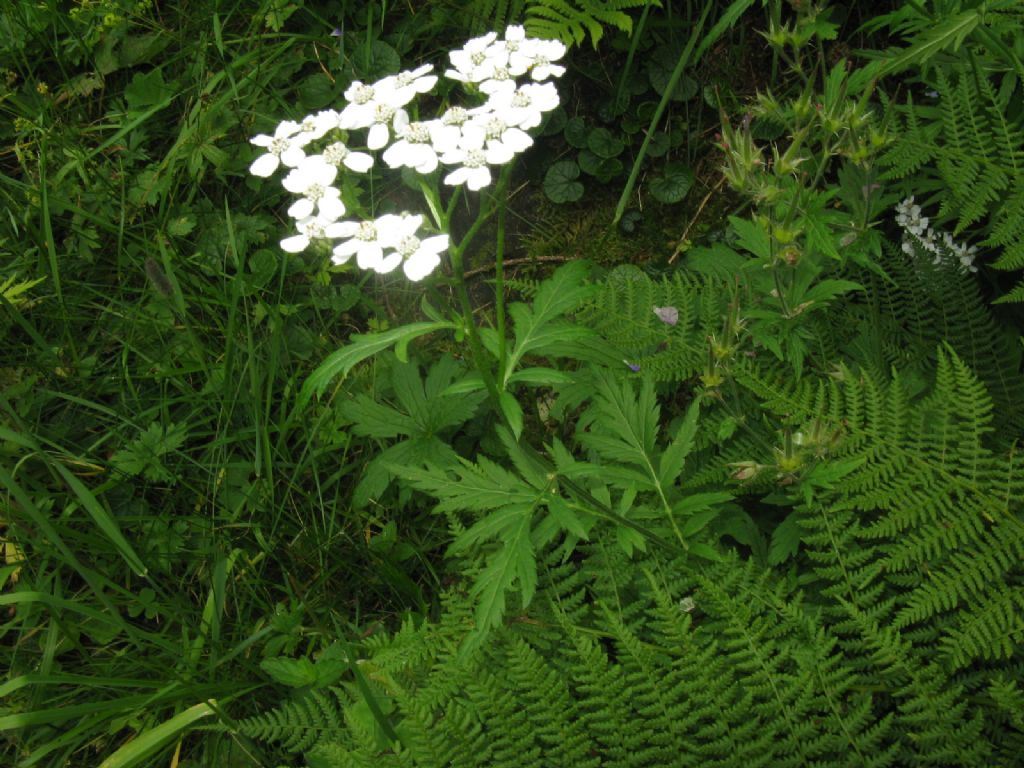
560	183
604	144
673	185
576	132
604	169
555	122
658	145
630	220
659	70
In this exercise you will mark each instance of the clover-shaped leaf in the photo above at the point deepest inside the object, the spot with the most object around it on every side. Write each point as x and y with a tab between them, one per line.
603	168
659	70
560	183
658	145
576	132
604	144
673	185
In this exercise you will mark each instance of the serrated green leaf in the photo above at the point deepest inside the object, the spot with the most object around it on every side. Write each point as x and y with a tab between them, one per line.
703	550
514	560
785	541
538	326
512	411
146	90
670	465
470	383
697	522
752	237
829	289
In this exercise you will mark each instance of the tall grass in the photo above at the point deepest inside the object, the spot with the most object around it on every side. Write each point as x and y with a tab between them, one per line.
167	521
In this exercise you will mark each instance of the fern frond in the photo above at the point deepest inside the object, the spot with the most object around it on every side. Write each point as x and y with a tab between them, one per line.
297	725
572	20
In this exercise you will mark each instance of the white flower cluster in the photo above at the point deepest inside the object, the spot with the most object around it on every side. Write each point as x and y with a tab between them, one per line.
918	237
469	140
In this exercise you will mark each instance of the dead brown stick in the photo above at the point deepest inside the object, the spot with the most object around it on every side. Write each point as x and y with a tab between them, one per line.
520	262
693	220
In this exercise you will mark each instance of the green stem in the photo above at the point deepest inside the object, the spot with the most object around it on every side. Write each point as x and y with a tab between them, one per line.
499	271
677	73
455	254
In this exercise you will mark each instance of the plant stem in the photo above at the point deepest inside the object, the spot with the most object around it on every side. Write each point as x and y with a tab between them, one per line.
499	270
475	344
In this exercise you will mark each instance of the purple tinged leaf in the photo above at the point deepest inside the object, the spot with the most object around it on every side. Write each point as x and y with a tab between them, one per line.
632	366
668	315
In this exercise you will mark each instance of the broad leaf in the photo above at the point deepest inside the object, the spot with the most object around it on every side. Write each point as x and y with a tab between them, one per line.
361	346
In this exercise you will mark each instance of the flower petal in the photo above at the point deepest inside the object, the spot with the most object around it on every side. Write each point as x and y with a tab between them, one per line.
264	165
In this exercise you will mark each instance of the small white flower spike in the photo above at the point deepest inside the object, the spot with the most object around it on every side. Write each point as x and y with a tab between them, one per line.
918	237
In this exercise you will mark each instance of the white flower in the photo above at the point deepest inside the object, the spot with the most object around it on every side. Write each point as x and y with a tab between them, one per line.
963	255
524	107
500	80
475	61
281	148
908	216
502	136
359	112
532	55
312	179
338	154
371	108
542	69
421	256
446	132
414	148
310	228
368	239
474	154
316	126
398	90
919	238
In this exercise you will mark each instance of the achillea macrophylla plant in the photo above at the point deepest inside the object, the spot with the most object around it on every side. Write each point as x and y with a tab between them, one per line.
469	141
507	82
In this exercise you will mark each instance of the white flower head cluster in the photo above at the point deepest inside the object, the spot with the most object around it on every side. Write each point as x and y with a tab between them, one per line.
919	238
468	140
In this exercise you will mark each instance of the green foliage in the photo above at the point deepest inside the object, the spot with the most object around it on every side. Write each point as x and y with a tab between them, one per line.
572	20
793	536
970	148
143	455
730	666
514	515
426	415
